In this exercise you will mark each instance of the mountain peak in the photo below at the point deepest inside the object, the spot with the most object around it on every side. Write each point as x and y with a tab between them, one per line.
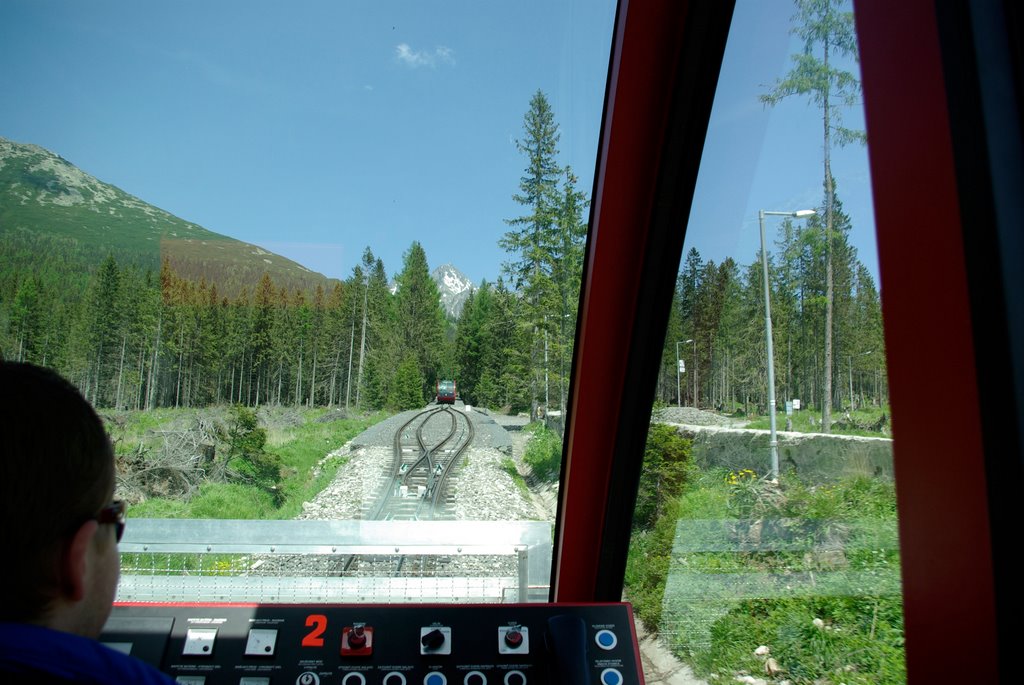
454	286
46	195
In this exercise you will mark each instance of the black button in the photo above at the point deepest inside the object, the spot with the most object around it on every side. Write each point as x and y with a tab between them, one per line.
433	640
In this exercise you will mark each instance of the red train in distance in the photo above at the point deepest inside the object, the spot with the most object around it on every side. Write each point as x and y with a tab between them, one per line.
446	392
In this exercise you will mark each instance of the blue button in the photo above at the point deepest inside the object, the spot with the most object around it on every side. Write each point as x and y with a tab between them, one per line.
606	639
611	676
435	679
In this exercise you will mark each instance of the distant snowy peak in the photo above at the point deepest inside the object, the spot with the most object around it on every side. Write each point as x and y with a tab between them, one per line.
455	282
454	287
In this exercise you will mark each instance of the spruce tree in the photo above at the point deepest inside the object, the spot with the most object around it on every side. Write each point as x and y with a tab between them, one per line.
821	23
472	343
533	237
420	316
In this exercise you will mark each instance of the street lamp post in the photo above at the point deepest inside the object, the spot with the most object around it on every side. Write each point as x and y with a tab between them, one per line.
679	373
773	442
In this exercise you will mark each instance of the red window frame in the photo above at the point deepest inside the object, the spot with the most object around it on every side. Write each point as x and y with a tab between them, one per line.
942	341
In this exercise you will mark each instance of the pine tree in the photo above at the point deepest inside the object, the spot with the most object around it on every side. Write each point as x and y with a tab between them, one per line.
407	391
504	379
384	338
567	273
729	350
26	320
420	316
821	23
102	329
336	341
262	341
688	286
472	342
534	237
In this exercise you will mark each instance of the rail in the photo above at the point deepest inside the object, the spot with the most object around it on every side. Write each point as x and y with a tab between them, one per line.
300	561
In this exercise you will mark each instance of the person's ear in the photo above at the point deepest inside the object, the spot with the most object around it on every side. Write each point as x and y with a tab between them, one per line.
74	565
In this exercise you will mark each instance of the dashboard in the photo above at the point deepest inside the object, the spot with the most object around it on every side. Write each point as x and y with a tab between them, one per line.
494	644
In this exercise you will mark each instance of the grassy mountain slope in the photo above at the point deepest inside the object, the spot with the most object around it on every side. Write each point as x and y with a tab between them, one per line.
44	194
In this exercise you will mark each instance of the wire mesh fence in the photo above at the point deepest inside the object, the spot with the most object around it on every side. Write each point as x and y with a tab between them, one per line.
335	561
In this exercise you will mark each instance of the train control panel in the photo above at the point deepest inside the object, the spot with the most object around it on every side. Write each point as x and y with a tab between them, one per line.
494	644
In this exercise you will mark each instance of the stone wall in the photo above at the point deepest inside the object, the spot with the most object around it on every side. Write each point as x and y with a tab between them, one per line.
815	457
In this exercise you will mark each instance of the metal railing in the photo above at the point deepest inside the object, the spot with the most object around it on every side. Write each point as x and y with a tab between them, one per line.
312	561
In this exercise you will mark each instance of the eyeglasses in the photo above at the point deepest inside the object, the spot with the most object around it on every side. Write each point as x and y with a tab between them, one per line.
114	513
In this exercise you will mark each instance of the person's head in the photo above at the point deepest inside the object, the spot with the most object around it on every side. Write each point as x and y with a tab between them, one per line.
56	479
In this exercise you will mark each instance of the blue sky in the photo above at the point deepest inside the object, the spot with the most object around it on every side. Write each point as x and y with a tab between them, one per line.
315	129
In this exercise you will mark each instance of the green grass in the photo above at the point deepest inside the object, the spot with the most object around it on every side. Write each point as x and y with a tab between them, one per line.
162	564
132	233
701	603
300	449
509	467
543	452
807	421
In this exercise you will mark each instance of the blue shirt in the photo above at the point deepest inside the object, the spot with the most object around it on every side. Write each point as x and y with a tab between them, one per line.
31	653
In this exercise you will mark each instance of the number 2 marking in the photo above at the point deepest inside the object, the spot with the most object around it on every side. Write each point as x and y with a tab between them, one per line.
319	623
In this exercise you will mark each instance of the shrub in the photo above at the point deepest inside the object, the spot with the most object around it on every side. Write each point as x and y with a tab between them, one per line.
544	453
650	552
667	463
246	455
509	467
819	632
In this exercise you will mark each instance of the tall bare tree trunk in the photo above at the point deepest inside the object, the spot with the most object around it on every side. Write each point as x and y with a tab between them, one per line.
142	373
826	412
312	381
181	344
334	377
280	377
362	343
351	348
120	373
153	369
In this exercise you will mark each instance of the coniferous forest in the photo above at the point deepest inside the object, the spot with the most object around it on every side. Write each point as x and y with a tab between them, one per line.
136	335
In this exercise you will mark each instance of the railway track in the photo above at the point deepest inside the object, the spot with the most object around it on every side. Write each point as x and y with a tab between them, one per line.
427	448
426	451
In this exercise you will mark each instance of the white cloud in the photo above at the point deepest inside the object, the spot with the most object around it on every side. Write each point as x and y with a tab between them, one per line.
415	59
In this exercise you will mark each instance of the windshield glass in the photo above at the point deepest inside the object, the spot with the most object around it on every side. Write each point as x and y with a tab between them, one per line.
261	239
764	541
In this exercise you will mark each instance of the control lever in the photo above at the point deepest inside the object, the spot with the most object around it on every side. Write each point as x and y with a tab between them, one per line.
567	643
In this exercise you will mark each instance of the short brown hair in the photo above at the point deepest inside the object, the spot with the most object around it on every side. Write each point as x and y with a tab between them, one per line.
56	472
